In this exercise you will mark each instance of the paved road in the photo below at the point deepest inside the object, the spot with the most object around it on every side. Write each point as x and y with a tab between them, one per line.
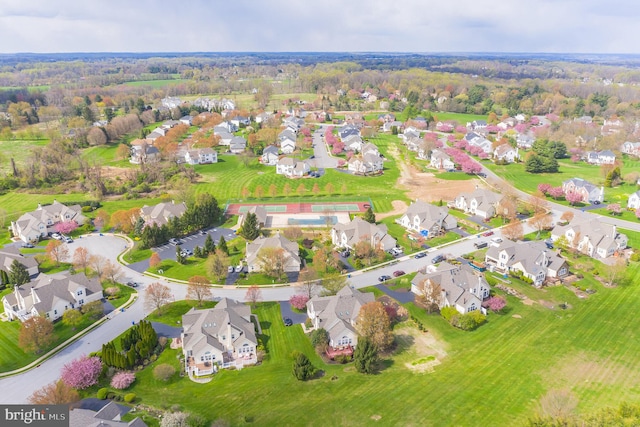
320	150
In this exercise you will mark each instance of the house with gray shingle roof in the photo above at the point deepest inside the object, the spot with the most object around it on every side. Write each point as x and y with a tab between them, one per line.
51	295
358	230
291	252
8	254
533	259
591	236
460	287
338	314
634	200
161	213
589	192
109	416
483	203
31	226
427	219
270	155
219	337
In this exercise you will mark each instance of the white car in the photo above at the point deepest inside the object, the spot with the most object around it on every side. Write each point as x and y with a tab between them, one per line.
56	236
230	269
239	269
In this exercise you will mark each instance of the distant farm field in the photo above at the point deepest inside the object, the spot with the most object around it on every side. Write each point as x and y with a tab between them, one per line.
17	149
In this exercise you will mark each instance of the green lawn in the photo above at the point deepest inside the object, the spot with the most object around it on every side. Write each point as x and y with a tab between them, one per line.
172	313
19	150
121	297
461	118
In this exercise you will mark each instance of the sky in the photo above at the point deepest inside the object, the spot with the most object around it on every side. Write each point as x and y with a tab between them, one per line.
554	26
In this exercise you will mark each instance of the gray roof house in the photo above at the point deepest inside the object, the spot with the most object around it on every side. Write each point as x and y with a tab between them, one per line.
365	164
31	226
237	144
161	213
460	287
291	252
338	314
109	416
51	295
219	337
589	192
475	139
591	236
260	212
631	148
8	254
270	155
357	230
533	259
427	219
483	203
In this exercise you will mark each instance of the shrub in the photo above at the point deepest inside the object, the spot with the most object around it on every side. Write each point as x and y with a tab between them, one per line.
302	367
164	372
308	324
123	380
129	397
102	393
448	313
319	337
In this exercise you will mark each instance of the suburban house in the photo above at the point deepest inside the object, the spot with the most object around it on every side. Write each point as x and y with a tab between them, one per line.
292	168
388	126
505	153
219	337
270	156
291	253
589	192
225	127
51	295
260	213
441	160
8	254
337	315
413	143
347	131
631	148
240	120
483	203
605	157
525	141
533	259
264	117
161	213
201	156
427	219
369	148
143	153
237	144
225	137
353	143
31	226
358	230
365	164
477	125
460	287
634	201
288	145
591	236
476	140
186	120
409	132
109	416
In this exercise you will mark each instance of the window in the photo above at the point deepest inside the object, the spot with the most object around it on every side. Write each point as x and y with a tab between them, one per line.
79	292
55	311
81	301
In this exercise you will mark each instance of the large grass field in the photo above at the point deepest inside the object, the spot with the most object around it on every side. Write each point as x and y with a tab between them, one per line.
19	150
492	376
461	118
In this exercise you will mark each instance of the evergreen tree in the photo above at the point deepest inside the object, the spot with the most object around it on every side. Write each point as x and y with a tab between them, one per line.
302	367
222	245
138	227
197	252
18	274
209	246
181	259
369	216
4	279
365	356
250	227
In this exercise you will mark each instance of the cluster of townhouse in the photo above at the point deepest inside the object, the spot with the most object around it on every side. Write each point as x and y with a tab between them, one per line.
591	237
32	226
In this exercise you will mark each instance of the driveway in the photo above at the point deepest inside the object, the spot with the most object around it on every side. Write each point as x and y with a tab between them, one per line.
287	311
166	331
460	232
402	297
476	219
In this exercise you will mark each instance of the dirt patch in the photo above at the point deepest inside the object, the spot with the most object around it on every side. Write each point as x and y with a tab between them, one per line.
376	417
517	316
528	301
424	350
112	172
399	207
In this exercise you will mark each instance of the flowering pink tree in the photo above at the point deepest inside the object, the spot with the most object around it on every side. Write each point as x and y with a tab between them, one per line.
349	155
461	145
82	372
552	117
493	129
474	150
66	227
614	209
495	303
451	138
338	147
444	127
573	197
430	136
461	129
555	192
534	121
123	380
637	213
520	128
544	188
471	167
299	301
341	163
306	132
438	144
482	155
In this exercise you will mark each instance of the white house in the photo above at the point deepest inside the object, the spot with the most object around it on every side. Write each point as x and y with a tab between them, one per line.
288	144
201	156
440	160
427	219
459	287
291	252
51	295
338	314
589	192
370	148
31	226
358	230
353	143
365	164
591	236
634	201
270	156
219	337
476	140
505	153
292	168
631	148
483	203
605	157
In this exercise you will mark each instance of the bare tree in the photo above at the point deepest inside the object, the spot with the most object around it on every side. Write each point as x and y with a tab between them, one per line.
157	296
541	221
56	393
374	323
198	289
112	272
513	230
332	283
272	261
81	258
36	333
538	204
97	262
558	404
613	272
217	264
253	295
430	295
57	251
309	283
567	216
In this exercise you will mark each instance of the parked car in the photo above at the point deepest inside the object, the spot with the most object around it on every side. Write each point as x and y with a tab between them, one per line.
480	245
186	252
420	255
488	233
56	236
398	273
482	174
239	269
287	321
132	284
203	232
496	240
345	254
28	245
384	278
67	239
436	259
230	269
174	241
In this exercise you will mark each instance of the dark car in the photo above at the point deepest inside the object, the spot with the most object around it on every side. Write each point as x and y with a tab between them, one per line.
384	278
398	273
436	259
287	321
132	284
482	175
420	255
